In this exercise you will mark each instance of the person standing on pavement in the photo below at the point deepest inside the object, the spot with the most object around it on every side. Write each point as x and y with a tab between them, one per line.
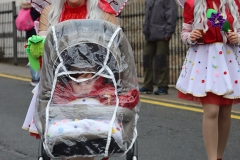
160	22
60	11
210	73
35	15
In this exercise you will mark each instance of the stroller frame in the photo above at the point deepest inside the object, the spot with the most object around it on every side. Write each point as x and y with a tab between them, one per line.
131	154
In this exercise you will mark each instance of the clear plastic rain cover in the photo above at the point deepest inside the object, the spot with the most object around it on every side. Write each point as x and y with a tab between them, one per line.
88	96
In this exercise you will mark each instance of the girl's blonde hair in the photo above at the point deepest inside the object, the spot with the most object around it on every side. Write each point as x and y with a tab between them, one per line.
94	12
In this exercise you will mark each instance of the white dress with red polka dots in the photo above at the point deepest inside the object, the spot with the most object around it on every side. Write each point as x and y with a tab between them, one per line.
211	68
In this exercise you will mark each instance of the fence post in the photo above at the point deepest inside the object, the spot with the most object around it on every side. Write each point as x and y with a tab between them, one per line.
14	14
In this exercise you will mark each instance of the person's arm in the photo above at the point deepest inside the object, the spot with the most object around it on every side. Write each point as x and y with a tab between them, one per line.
171	15
111	18
185	34
43	23
234	38
238	29
187	24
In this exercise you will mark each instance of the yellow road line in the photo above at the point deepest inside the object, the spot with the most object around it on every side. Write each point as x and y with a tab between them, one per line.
167	101
171	105
155	102
14	77
179	107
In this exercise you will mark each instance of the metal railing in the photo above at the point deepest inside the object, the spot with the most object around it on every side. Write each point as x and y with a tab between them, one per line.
11	41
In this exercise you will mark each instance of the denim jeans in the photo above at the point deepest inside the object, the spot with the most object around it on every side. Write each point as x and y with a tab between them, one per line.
35	75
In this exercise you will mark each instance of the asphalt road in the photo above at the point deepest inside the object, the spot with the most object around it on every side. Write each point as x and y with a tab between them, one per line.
164	133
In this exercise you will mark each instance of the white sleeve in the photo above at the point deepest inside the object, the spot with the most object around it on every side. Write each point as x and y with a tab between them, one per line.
185	34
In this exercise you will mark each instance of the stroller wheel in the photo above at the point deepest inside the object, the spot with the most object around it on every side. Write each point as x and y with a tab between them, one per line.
42	155
133	152
134	158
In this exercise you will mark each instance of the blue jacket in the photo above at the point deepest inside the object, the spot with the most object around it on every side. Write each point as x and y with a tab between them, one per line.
160	19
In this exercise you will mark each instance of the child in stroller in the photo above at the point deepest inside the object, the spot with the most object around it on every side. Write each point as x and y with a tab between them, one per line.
88	95
70	91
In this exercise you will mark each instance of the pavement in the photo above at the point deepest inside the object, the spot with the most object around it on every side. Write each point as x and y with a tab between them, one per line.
23	72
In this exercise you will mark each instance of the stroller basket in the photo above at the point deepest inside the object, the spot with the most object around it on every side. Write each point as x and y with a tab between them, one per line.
132	154
88	96
80	149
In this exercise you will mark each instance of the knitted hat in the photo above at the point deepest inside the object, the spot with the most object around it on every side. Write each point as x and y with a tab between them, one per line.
25	4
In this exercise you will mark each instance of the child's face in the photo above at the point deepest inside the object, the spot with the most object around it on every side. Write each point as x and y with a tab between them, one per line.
83	87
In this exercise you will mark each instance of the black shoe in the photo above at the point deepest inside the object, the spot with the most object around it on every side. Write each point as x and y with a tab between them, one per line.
145	90
161	91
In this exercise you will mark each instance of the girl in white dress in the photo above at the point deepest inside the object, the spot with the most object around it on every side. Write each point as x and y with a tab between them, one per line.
210	73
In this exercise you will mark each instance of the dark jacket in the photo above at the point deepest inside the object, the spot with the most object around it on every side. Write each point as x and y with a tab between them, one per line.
160	19
35	15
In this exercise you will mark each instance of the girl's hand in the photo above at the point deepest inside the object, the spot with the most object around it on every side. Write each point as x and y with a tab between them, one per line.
232	37
194	35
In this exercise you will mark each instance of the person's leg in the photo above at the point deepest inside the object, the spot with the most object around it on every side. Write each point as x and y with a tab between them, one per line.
35	76
162	66
224	123
148	54
210	129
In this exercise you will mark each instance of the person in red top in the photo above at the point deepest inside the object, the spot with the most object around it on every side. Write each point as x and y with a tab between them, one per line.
210	73
62	10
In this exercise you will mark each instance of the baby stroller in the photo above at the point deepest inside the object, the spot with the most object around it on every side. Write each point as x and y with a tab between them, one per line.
88	97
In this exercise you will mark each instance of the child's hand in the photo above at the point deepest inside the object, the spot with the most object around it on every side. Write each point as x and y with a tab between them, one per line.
232	37
194	35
